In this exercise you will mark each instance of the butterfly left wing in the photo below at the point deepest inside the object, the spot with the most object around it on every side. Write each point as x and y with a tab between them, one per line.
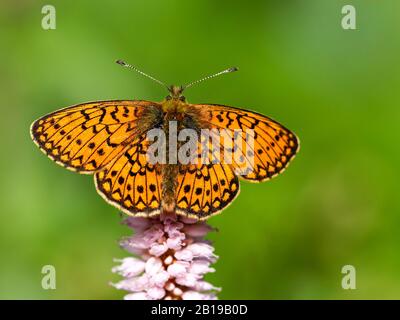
131	183
88	136
273	148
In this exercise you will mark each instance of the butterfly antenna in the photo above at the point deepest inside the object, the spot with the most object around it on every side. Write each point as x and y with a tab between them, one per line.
229	70
127	65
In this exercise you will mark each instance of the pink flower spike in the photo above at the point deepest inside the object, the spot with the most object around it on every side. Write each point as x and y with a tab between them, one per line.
172	226
151	235
129	267
173	258
138	241
136	296
158	249
184	254
205	286
153	265
201	267
135	284
160	278
178	268
156	293
126	244
187	279
175	243
202	250
197	230
194	295
187	221
138	224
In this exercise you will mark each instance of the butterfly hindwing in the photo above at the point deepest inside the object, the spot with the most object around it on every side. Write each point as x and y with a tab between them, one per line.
205	189
88	136
131	183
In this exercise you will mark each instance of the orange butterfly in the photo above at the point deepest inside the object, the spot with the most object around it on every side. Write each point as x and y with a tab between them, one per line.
109	139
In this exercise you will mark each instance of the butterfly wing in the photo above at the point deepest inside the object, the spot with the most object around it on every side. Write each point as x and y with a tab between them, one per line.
88	136
205	189
273	148
131	183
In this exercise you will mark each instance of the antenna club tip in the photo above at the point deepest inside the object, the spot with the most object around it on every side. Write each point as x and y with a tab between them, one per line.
233	69
121	62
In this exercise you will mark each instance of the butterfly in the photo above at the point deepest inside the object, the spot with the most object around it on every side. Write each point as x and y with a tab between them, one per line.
109	139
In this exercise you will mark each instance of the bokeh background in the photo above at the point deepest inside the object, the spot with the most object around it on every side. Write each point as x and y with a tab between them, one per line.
337	204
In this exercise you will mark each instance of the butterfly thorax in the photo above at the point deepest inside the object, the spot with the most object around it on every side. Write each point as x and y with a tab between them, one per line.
174	104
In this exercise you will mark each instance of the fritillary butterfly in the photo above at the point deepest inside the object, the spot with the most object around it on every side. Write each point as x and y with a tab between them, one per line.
108	139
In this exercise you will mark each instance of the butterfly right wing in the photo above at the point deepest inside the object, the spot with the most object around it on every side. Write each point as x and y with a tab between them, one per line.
204	190
88	136
273	147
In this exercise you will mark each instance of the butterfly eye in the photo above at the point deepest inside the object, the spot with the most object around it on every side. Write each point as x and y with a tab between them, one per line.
182	98
168	98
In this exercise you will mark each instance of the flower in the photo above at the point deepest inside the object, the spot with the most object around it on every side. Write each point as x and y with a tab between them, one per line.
172	260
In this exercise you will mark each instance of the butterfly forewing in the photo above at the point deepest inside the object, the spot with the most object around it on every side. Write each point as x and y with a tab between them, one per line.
88	136
273	145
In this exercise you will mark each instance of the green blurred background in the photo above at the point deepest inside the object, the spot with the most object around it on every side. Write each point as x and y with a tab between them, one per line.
337	204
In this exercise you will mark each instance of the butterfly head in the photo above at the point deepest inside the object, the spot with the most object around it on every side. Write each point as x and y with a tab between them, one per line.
176	93
175	101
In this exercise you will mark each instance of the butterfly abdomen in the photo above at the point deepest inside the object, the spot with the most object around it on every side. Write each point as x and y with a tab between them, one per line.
169	174
169	170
